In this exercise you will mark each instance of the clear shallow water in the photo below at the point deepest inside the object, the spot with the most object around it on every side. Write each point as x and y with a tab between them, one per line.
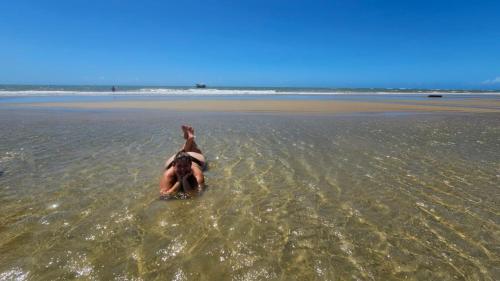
372	197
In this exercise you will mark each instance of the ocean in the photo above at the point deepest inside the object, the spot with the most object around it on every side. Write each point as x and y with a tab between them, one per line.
105	92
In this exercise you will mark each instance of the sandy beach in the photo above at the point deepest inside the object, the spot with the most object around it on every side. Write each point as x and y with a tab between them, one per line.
289	106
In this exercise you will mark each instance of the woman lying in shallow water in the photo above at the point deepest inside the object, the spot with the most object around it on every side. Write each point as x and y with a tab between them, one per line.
184	170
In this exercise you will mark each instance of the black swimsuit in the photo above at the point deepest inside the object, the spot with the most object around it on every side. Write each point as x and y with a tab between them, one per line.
198	162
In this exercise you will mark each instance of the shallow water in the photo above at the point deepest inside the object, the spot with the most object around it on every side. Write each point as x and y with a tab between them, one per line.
360	197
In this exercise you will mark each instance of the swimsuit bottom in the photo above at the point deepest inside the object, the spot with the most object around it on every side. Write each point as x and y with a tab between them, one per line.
196	158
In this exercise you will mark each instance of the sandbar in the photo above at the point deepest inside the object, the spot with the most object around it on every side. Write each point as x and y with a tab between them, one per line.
286	106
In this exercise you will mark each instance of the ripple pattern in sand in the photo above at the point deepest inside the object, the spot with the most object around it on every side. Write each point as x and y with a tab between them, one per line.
404	197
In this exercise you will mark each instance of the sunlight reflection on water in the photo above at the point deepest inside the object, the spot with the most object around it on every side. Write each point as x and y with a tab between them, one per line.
289	198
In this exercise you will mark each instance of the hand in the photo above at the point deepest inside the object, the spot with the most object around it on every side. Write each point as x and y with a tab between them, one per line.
179	175
186	176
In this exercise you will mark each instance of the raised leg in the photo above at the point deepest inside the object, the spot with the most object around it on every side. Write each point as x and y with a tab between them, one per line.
190	145
185	131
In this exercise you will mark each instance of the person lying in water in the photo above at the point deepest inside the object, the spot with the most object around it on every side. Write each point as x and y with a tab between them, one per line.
184	170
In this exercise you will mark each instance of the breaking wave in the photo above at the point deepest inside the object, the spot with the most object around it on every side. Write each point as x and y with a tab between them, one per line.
222	92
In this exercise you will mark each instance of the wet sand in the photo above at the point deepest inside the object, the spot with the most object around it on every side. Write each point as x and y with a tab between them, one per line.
289	106
290	196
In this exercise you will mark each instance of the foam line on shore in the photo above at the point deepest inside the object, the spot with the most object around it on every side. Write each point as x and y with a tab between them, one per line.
230	92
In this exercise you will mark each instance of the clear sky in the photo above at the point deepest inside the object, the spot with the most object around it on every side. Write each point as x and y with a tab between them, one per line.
351	43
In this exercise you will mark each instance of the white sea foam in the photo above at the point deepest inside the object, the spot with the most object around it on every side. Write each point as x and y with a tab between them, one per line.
223	92
15	274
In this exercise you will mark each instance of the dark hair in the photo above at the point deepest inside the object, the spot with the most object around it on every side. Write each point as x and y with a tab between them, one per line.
181	156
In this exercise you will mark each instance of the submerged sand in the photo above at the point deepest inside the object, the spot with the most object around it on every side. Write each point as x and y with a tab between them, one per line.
289	106
323	197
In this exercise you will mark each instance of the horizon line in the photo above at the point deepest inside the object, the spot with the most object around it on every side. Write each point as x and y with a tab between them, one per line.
265	87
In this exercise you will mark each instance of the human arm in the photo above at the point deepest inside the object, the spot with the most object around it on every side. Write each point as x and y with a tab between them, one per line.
168	184
189	183
174	189
200	178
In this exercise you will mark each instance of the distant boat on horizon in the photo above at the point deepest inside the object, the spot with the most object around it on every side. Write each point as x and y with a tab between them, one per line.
201	86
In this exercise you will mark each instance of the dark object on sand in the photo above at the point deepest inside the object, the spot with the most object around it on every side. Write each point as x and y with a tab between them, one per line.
113	89
201	86
1	173
435	96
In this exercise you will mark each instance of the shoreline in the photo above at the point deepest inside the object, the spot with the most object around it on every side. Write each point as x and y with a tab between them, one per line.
280	106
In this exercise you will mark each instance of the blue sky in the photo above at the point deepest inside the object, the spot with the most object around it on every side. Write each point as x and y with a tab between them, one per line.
414	44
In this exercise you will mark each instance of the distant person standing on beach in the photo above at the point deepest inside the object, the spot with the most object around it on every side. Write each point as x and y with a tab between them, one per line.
184	170
113	89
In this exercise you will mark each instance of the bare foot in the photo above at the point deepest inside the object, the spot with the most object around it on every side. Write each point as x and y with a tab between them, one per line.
190	132
185	131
